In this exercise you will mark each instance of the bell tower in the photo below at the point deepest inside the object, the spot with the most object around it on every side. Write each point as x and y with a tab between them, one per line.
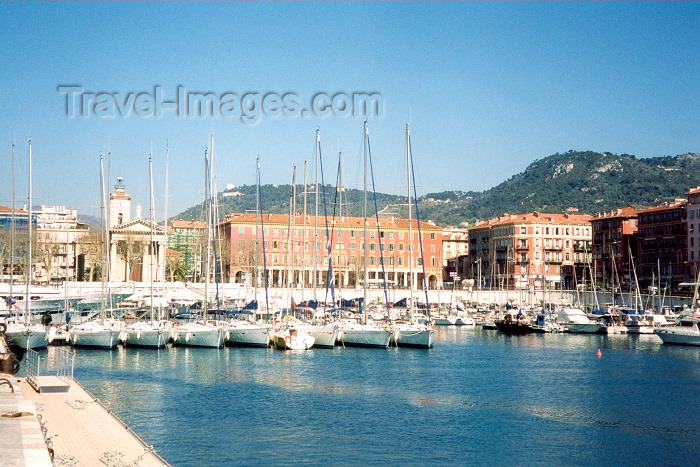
119	205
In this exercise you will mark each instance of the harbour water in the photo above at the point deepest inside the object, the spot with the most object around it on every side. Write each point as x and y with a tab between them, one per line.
477	397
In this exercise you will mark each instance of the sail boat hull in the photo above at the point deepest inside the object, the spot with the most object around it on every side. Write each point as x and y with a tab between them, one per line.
414	336
325	336
360	335
198	335
145	337
96	339
247	335
26	337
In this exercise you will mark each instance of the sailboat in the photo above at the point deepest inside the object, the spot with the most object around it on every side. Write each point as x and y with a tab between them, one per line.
203	333
413	334
22	333
243	333
363	334
99	333
152	333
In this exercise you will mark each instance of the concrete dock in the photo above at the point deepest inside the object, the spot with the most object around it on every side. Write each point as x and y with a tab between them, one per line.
79	429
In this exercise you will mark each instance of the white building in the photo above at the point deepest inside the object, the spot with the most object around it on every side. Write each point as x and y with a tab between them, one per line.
137	247
58	236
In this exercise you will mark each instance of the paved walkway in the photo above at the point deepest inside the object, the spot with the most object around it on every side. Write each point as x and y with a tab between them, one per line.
81	430
21	440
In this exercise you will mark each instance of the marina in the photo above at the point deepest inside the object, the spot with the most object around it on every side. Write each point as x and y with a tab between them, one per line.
464	398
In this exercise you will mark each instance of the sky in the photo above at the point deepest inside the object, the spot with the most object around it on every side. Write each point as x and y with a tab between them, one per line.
488	87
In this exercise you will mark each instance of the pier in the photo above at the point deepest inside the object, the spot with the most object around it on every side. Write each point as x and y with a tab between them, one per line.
43	423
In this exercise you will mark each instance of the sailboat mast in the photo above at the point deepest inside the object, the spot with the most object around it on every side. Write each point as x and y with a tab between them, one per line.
105	237
12	228
340	217
315	279
207	188
152	215
257	232
364	226
27	310
410	219
303	242
294	219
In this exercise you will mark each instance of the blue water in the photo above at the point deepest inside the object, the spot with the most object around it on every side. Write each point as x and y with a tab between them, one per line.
477	397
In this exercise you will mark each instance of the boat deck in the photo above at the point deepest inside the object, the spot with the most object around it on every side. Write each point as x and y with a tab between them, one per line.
82	431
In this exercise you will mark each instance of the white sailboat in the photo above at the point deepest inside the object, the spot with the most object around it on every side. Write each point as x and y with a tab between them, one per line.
203	333
102	333
154	333
352	333
242	333
21	333
413	334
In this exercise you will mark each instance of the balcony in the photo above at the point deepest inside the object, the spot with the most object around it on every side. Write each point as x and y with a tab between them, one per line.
553	247
521	246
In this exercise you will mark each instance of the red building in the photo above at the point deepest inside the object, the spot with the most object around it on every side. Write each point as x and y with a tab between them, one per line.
614	237
291	252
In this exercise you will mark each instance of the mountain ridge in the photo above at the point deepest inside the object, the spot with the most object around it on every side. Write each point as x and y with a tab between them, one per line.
586	181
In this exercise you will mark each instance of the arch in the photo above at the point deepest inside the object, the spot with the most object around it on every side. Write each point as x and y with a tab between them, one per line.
432	281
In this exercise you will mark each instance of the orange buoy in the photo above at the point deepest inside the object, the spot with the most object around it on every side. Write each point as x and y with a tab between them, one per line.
599	354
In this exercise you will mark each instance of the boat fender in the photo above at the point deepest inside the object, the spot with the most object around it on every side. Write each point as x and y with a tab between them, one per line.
3	328
288	340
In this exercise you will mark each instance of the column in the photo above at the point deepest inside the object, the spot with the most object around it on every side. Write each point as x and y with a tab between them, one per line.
160	274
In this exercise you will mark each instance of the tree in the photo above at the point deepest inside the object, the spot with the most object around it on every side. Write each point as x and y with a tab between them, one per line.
131	250
176	268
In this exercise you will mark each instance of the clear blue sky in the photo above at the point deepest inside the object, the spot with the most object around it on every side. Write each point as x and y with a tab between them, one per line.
489	87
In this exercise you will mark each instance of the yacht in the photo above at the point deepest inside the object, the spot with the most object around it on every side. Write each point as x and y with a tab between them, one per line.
685	332
576	322
639	324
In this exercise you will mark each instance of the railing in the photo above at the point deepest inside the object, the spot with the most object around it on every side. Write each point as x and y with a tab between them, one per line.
33	363
65	363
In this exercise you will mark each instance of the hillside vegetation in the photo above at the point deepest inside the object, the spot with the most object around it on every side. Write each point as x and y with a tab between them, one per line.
586	180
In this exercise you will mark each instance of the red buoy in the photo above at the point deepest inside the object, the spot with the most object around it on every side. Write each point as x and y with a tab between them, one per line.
599	354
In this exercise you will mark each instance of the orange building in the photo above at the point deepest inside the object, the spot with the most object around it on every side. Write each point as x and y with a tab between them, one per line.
530	251
290	254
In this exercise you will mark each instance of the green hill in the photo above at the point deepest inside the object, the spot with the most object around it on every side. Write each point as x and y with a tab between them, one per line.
586	180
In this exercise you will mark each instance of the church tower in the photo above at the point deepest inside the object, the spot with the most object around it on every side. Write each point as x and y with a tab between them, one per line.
119	205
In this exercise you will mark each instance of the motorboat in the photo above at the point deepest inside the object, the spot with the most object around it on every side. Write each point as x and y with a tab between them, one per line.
324	335
686	331
575	321
513	324
292	339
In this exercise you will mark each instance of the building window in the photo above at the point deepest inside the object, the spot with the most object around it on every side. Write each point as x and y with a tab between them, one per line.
241	230
400	246
432	248
120	218
433	261
432	236
523	230
399	260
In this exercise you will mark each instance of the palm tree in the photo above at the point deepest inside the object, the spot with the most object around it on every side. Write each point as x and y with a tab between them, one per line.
176	268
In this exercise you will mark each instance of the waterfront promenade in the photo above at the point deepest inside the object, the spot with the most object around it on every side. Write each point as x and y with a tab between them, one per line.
80	430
